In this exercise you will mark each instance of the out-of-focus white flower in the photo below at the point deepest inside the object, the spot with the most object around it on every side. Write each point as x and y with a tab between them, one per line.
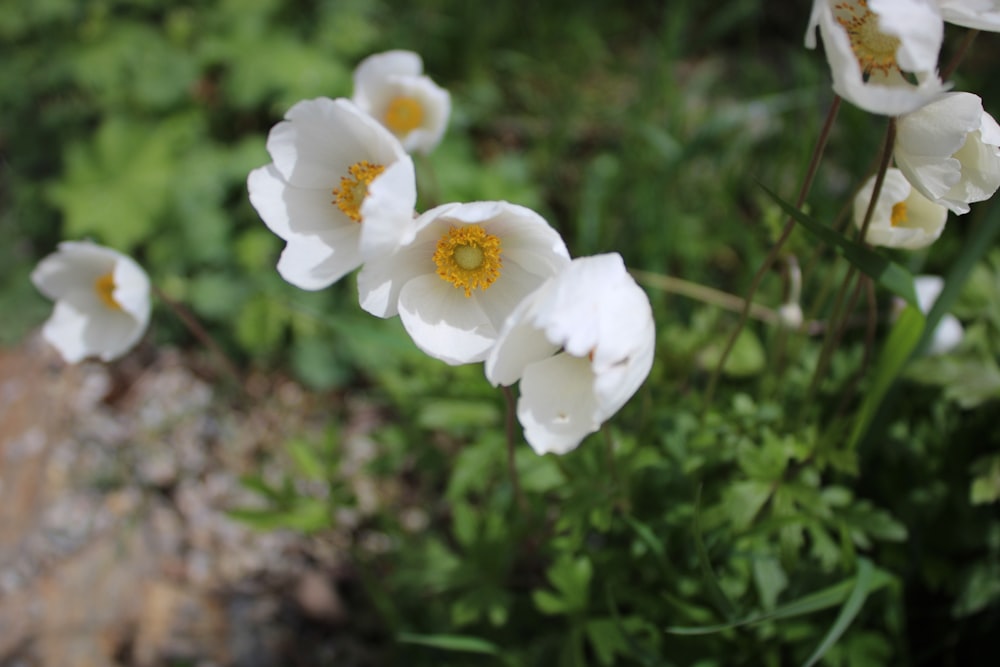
340	189
950	151
581	345
883	54
102	301
949	331
903	218
466	270
392	88
977	14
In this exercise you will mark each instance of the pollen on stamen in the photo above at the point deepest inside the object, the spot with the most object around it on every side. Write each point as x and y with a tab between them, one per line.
899	214
468	258
105	288
874	49
403	115
354	188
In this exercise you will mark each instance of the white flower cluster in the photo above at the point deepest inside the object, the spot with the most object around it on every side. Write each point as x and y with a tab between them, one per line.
479	281
883	56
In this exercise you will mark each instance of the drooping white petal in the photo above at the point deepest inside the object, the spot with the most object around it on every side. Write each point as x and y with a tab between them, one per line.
949	331
902	218
75	263
316	262
387	211
950	151
381	279
976	14
557	408
375	69
603	322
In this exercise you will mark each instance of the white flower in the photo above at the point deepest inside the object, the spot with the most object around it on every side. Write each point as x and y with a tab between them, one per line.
340	189
466	270
903	218
977	14
391	87
581	345
883	53
950	151
102	301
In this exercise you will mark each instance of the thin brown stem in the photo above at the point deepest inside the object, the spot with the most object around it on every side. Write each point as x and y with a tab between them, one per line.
510	425
836	326
963	48
786	232
192	324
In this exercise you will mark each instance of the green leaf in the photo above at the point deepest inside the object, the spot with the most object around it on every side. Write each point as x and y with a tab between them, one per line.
896	351
818	601
855	601
884	271
460	643
307	463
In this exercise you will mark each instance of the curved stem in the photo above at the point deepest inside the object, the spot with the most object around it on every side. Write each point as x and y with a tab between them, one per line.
192	324
775	249
510	426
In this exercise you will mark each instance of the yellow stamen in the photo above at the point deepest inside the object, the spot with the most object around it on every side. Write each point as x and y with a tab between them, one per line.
353	190
468	258
403	115
899	214
875	50
105	288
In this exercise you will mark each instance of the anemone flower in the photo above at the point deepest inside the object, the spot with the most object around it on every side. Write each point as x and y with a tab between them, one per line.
465	271
339	190
102	301
581	345
903	218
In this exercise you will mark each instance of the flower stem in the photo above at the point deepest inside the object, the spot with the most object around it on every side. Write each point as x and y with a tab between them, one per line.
192	324
963	48
838	317
776	248
510	425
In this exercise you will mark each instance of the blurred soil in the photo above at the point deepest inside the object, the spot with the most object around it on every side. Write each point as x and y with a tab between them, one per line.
115	545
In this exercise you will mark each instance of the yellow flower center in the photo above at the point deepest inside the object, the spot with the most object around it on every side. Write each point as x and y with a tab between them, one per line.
404	114
875	50
105	288
468	258
353	189
899	215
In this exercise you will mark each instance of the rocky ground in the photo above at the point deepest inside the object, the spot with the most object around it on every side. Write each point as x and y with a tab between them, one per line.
115	544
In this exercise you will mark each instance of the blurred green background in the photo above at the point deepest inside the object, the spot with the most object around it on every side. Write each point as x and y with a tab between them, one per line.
644	128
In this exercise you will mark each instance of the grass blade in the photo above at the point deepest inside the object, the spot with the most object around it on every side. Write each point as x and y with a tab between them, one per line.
855	601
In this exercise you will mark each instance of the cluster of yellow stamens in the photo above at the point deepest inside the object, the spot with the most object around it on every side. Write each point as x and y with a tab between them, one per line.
875	50
899	214
403	115
354	188
468	258
105	288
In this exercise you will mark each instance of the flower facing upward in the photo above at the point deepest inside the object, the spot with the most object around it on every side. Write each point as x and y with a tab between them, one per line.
882	53
340	189
392	88
466	270
102	301
903	218
977	14
950	151
602	322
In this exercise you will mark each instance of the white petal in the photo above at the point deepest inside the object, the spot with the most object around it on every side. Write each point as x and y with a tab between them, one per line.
387	212
557	408
75	263
443	322
316	262
375	69
64	331
928	290
132	291
947	335
976	14
518	344
500	299
382	278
